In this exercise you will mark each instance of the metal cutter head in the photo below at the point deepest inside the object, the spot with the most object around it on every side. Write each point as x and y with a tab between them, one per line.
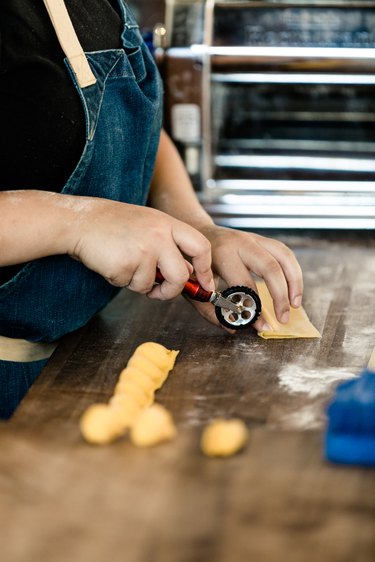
248	308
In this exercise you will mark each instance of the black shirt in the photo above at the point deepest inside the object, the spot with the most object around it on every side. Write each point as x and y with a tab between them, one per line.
42	130
41	118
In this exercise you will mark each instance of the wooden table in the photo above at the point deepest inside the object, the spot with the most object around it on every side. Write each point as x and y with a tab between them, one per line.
64	500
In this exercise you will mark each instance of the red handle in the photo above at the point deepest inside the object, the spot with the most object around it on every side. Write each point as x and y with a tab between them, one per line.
192	288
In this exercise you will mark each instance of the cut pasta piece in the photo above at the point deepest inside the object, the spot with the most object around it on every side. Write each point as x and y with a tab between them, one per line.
153	426
223	438
298	326
100	425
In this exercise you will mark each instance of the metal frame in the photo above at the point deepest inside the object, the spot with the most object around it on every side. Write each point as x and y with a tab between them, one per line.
281	203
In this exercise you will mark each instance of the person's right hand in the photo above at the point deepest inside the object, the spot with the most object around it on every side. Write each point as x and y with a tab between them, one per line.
126	243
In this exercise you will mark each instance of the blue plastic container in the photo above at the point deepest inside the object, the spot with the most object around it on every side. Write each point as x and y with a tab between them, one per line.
350	434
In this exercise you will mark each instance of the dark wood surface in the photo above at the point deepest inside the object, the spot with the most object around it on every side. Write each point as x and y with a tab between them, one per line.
279	500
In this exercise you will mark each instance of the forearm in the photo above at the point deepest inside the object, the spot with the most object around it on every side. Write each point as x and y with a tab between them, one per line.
171	188
122	242
35	224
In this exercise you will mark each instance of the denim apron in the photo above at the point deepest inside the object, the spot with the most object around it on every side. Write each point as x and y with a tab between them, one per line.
53	296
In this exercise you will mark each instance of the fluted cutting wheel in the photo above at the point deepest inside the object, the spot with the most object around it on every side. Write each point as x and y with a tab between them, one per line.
250	308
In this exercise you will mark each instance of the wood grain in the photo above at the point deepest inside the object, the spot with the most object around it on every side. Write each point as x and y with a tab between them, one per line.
61	499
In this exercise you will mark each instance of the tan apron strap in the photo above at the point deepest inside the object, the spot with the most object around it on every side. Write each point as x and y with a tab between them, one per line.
23	351
371	363
69	42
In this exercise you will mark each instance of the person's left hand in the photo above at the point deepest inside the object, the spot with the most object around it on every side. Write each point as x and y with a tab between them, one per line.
237	254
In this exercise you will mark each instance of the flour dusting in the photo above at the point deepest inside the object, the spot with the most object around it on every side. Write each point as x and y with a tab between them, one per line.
310	416
313	382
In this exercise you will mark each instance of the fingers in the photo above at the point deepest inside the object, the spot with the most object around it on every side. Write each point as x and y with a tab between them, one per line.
232	269
238	254
272	273
176	271
198	248
183	240
290	267
282	274
143	278
234	272
275	265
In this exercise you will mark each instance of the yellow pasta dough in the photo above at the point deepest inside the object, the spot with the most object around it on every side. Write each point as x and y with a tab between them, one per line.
130	387
298	326
145	372
148	367
223	438
141	379
156	353
126	408
100	425
153	426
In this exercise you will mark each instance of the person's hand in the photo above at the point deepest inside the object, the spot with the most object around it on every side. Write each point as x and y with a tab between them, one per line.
126	243
237	254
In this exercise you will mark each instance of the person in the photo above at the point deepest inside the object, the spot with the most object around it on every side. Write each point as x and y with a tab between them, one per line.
94	195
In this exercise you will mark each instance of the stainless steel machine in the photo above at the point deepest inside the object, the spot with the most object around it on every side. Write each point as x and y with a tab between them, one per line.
272	106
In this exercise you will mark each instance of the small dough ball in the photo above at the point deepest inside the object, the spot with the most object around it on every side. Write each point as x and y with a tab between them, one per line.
154	425
223	438
99	425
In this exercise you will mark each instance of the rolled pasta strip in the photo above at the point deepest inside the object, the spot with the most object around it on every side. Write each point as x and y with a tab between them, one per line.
143	380
130	387
145	372
164	358
149	368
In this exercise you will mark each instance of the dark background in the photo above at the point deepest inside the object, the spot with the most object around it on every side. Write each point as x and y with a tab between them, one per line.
148	12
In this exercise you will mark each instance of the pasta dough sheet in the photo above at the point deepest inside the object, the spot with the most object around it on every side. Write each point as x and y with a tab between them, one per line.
299	325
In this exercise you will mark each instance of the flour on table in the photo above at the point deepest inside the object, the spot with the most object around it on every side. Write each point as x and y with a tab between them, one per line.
313	382
310	416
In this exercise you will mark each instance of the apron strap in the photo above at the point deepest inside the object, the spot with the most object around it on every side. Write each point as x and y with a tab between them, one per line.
23	351
69	42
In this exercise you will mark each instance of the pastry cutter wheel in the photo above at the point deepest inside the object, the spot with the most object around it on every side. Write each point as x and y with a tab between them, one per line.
235	307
